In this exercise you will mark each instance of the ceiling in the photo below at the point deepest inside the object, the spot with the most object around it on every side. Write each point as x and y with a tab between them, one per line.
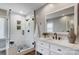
23	8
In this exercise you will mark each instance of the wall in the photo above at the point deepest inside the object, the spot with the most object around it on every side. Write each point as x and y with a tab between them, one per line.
3	12
44	10
29	36
29	33
16	35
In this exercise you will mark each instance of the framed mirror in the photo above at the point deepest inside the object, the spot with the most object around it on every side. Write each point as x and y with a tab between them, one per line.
60	21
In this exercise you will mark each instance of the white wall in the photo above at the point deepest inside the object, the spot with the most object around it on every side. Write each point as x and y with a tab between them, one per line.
44	10
29	36
16	35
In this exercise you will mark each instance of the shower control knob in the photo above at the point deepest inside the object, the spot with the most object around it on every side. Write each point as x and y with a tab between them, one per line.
34	43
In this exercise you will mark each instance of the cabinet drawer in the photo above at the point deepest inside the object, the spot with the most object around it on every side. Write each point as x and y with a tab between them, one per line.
42	50
61	50
56	48
76	52
54	53
42	44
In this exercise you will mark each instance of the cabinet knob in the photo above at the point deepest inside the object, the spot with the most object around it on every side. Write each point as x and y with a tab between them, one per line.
41	43
59	49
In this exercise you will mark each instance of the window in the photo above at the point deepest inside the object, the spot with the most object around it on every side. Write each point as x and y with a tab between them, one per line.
2	28
49	27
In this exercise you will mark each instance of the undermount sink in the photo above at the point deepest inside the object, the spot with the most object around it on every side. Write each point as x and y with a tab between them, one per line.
47	38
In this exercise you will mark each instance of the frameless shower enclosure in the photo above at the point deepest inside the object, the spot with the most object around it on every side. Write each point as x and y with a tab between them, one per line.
29	32
21	33
16	33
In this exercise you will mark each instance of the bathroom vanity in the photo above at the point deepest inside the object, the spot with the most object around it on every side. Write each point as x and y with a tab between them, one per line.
47	46
59	22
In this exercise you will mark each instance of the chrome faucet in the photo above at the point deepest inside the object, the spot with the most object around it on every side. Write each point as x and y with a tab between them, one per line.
55	34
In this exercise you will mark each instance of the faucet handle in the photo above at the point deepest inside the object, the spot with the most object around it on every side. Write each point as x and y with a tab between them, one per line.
55	33
53	37
59	38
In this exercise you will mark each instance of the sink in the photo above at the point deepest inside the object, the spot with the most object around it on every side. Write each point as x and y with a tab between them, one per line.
46	38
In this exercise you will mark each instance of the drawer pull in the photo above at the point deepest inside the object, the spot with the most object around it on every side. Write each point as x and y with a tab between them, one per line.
59	49
41	43
41	49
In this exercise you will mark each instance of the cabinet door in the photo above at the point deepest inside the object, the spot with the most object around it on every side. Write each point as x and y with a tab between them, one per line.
68	51
57	49
42	50
76	52
61	49
43	44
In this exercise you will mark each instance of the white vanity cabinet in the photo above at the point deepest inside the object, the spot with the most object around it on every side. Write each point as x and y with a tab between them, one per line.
47	48
77	52
42	47
54	53
60	50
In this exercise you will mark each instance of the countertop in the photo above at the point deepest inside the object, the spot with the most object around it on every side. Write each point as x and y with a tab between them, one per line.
62	42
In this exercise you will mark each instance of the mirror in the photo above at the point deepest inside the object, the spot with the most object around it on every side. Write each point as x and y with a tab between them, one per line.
60	21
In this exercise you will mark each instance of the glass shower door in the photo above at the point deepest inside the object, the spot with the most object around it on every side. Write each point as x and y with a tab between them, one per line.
29	33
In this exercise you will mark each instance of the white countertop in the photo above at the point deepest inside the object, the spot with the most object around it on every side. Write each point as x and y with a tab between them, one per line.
63	42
